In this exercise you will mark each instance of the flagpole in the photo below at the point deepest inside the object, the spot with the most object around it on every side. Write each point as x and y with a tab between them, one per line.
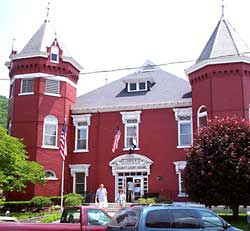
62	185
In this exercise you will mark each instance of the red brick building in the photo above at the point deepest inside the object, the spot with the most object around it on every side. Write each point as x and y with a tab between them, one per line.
155	112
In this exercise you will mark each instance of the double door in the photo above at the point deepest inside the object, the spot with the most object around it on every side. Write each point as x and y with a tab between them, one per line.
133	185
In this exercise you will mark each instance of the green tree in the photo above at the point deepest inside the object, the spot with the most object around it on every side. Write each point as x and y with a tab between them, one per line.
15	168
218	164
3	111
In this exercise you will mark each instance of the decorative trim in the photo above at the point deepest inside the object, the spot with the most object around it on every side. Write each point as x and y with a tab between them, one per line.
81	118
130	162
218	60
184	103
130	116
43	75
182	112
79	168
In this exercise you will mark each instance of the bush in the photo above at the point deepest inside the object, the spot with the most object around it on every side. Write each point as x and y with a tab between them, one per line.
146	201
163	200
40	201
73	199
14	205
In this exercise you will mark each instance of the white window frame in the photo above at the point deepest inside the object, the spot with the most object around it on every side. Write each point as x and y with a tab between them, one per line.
27	92
51	120
54	51
53	177
47	81
179	113
179	167
77	168
85	119
137	86
126	116
200	115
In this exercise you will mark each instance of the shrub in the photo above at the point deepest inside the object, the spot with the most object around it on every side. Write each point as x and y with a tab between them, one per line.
163	200
15	205
40	201
146	201
73	199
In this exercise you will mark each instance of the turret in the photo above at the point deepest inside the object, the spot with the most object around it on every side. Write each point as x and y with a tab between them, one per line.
43	79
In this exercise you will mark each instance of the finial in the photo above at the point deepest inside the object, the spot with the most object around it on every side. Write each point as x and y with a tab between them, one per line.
47	15
222	8
12	47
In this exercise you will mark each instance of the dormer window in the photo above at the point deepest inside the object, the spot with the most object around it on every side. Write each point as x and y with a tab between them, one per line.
137	86
54	56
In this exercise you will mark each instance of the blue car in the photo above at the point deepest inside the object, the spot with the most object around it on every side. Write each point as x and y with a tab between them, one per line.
168	218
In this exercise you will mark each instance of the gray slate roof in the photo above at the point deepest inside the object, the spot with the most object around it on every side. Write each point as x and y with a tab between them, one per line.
224	41
43	38
167	89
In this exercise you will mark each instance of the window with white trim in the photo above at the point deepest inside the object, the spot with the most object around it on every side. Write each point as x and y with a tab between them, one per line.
79	172
137	86
27	86
50	128
11	90
50	175
185	133
9	127
54	56
52	87
202	117
131	122
81	123
179	167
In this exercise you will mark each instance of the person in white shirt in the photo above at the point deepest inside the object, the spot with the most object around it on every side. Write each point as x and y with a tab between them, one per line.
101	197
131	188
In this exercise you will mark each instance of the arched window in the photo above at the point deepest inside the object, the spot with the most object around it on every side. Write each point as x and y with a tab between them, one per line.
50	175
50	128
54	56
202	117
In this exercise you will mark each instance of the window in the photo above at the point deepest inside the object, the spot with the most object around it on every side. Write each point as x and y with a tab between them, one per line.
210	220
11	90
52	87
50	175
202	117
131	122
81	123
137	86
97	217
184	119
185	218
158	219
10	128
54	56
50	131
26	86
71	215
79	172
184	128
179	167
80	182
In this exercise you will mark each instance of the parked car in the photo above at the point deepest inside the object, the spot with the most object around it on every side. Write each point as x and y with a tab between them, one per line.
168	217
77	218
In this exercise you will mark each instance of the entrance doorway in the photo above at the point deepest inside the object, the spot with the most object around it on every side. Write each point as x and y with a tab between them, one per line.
134	184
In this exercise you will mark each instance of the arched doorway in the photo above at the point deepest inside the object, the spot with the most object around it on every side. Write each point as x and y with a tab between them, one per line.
133	168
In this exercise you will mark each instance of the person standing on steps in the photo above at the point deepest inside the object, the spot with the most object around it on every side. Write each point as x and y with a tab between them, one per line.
101	197
121	198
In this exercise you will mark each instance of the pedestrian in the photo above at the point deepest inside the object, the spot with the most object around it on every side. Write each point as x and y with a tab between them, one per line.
101	197
131	188
121	198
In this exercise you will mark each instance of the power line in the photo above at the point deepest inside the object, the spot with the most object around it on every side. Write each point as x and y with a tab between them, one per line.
153	65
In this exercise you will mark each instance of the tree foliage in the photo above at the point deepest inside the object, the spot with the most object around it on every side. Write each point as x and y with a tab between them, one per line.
15	168
3	111
218	164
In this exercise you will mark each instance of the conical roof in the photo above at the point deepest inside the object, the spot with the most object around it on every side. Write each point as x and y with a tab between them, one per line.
224	45
43	38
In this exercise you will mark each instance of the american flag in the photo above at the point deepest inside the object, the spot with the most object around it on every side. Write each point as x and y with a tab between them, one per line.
63	142
116	139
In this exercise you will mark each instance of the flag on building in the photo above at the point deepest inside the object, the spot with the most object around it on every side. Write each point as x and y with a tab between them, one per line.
63	141
116	139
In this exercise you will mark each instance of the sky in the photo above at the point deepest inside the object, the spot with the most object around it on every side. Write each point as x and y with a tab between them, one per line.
115	34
